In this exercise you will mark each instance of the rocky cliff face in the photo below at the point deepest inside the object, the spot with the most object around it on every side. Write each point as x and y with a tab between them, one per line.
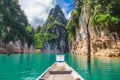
15	47
15	32
102	44
56	26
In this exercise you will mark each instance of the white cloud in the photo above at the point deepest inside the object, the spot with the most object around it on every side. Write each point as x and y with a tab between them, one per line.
67	15
37	10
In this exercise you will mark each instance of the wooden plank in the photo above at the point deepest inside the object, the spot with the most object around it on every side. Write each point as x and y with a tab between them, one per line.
60	72
61	77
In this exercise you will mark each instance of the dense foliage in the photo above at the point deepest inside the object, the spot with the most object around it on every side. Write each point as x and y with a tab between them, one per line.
104	15
40	38
37	30
95	16
45	34
52	31
73	23
13	22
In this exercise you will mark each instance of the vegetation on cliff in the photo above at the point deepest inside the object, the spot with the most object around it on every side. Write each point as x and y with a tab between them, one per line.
102	17
14	25
105	15
73	22
53	34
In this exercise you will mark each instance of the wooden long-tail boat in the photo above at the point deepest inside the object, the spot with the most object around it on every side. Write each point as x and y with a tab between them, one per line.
60	70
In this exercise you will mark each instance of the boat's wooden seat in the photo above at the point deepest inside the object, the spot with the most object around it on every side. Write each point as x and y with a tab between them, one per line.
60	72
41	79
75	79
78	79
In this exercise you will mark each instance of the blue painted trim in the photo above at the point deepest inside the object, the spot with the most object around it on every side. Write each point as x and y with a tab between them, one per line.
59	61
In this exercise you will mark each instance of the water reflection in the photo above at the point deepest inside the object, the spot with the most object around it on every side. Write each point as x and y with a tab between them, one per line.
101	68
30	66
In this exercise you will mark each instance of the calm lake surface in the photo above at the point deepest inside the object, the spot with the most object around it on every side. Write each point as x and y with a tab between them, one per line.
30	66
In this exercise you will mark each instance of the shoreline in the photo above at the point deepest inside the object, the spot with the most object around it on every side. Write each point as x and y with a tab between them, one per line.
92	55
96	55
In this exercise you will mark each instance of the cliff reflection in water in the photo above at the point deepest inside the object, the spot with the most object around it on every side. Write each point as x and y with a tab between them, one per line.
101	68
30	66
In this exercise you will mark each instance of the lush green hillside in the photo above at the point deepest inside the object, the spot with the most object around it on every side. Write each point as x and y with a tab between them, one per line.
16	35
53	35
96	22
103	15
13	23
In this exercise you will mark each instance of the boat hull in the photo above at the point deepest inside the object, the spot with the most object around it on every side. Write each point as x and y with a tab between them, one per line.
60	71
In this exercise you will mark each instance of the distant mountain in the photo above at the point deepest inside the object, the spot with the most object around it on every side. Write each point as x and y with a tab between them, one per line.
55	27
56	14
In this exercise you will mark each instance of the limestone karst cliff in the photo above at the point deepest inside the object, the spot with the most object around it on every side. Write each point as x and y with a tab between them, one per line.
104	27
16	34
55	26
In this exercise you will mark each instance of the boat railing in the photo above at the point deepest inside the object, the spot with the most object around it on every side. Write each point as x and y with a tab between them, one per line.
76	75
60	67
45	74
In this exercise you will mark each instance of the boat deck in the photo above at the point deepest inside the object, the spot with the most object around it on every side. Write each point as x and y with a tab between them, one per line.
61	77
60	71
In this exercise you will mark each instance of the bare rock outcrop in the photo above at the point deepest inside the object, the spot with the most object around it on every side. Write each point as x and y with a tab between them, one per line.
99	47
15	47
103	43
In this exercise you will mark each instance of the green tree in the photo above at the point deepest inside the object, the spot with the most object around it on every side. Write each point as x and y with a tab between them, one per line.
73	23
37	30
0	32
87	5
14	23
106	16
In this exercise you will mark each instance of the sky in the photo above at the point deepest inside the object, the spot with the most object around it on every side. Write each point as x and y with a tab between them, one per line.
37	10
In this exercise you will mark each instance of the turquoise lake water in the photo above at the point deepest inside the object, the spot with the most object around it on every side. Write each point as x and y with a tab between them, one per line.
30	66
